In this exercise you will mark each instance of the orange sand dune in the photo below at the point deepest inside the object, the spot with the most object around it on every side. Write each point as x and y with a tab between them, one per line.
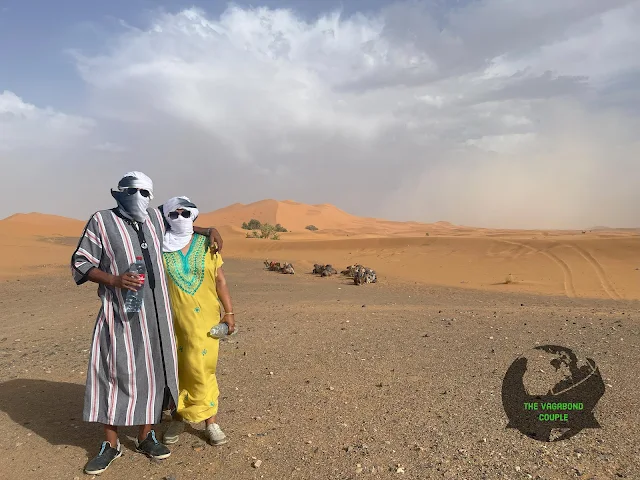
603	263
296	216
22	224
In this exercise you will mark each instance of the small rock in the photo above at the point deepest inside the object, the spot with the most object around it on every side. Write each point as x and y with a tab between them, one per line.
400	470
256	463
518	468
169	477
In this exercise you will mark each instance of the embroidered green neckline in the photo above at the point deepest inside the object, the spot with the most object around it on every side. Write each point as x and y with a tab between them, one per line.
187	271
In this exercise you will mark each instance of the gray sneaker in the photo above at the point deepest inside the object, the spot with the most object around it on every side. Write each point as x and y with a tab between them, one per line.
101	462
152	448
215	435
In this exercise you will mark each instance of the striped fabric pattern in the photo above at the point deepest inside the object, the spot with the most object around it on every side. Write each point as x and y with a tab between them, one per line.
125	379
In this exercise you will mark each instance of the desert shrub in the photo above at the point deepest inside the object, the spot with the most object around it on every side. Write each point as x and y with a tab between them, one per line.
280	228
509	279
426	234
275	236
267	230
252	225
313	228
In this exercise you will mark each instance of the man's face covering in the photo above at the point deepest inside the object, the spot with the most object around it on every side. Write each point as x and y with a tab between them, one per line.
134	193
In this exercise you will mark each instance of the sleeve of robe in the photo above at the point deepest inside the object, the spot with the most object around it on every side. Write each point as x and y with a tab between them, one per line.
88	254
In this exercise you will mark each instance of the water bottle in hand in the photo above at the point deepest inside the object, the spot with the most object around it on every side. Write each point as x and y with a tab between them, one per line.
134	300
221	330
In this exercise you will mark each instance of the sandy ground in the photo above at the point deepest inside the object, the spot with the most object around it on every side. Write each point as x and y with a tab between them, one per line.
325	377
330	380
598	264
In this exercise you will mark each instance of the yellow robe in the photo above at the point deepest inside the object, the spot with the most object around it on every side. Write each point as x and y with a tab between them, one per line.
195	308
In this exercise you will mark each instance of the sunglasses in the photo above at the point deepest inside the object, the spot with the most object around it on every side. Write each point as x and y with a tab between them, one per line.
133	191
174	215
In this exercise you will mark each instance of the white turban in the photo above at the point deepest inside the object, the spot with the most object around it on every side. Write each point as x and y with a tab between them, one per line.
136	180
181	228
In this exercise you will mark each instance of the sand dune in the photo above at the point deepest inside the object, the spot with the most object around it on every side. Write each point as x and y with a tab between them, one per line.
601	264
296	216
27	224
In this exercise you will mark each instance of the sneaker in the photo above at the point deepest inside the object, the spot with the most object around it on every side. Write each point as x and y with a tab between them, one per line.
172	435
152	448
215	435
101	462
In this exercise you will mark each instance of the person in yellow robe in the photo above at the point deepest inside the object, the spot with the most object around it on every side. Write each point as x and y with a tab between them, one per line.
196	286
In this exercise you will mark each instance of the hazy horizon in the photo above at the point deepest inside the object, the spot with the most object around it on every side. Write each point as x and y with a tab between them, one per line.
483	113
591	227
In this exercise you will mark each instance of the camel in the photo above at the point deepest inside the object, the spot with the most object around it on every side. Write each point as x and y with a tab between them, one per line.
278	267
364	275
324	270
349	271
272	266
288	269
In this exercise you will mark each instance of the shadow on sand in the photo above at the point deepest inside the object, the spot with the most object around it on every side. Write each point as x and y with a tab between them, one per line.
52	410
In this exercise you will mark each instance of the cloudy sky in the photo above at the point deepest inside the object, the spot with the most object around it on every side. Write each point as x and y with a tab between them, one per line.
498	113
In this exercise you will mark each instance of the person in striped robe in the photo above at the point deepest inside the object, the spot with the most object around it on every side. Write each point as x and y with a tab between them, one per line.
132	373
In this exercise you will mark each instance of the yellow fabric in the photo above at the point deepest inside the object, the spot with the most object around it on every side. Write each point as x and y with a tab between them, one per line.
195	307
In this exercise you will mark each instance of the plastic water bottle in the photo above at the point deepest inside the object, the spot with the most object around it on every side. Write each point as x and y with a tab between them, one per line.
221	330
134	300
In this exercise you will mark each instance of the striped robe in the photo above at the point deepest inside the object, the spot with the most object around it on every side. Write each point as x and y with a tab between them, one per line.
133	355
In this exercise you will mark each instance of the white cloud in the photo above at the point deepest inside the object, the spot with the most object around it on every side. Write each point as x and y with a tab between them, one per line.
25	126
424	115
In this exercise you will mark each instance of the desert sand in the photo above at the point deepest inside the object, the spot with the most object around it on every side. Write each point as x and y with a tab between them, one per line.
578	264
331	380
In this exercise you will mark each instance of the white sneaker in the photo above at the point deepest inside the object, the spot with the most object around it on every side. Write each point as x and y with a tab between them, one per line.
172	435
215	435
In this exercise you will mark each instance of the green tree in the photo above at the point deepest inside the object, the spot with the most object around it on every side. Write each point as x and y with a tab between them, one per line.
313	228
254	224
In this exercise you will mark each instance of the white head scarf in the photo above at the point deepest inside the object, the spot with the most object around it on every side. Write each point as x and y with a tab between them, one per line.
133	206
181	229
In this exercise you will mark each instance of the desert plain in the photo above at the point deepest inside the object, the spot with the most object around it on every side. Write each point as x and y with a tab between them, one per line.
400	378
